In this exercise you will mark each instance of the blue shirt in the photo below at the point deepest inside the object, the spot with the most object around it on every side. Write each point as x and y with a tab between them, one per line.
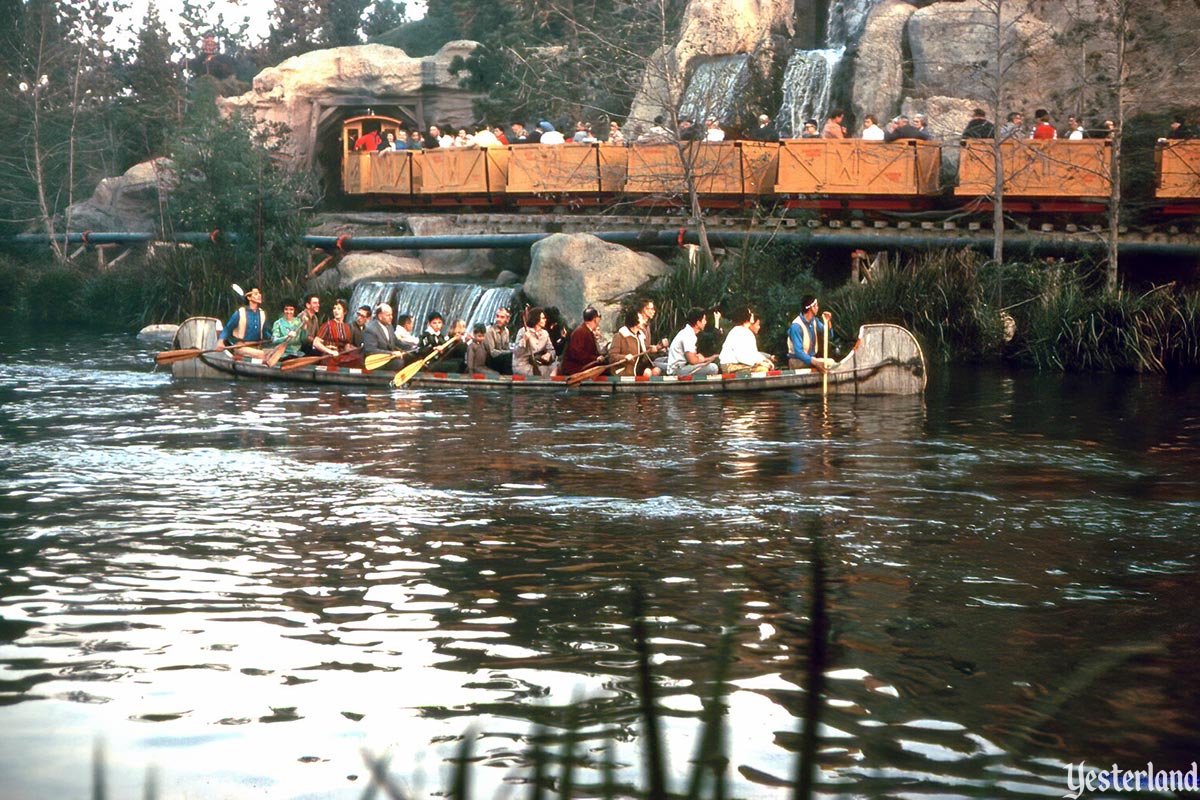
802	329
256	322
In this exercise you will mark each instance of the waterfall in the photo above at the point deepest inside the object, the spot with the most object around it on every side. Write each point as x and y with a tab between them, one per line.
715	88
452	300
808	79
846	21
807	82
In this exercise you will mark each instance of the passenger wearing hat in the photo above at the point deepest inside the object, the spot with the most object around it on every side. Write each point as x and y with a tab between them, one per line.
549	134
765	132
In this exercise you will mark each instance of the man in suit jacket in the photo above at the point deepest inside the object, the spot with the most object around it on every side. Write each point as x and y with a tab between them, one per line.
378	336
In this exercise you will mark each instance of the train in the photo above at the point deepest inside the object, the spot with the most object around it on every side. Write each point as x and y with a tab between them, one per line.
821	176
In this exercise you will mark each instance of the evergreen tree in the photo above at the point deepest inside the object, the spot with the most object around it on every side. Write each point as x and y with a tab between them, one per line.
155	106
384	16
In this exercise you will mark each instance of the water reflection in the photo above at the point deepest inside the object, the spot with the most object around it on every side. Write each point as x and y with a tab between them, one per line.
245	584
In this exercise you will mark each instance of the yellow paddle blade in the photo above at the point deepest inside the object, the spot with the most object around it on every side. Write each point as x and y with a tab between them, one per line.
377	360
404	375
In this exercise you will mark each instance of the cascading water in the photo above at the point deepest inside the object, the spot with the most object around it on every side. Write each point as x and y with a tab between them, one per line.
808	78
451	300
715	88
807	83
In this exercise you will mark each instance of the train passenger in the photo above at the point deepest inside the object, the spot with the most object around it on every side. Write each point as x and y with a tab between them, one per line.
1014	128
804	336
248	324
810	130
519	134
391	143
765	132
688	132
549	134
486	138
906	130
1074	129
1179	129
979	127
833	126
1110	128
683	357
583	133
415	142
615	136
582	348
534	354
463	139
629	345
499	348
713	131
369	141
498	132
871	130
657	134
740	352
1042	128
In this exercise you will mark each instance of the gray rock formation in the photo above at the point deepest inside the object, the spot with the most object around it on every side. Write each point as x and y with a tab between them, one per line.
129	202
709	28
572	271
879	66
306	91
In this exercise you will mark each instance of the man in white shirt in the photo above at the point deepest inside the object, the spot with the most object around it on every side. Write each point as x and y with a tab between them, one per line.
871	130
1074	129
714	132
740	351
682	357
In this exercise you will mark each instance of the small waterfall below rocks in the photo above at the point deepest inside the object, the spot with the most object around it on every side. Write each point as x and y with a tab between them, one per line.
715	88
452	300
807	83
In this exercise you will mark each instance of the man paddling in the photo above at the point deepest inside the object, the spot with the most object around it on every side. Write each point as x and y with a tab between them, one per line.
682	356
378	337
582	350
248	324
498	344
804	336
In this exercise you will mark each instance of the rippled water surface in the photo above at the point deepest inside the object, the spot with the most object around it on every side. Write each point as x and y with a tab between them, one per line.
241	586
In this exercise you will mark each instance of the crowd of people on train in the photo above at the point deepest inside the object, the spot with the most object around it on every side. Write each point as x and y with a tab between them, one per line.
900	127
542	345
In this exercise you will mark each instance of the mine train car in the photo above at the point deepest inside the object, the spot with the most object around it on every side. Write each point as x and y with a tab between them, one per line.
822	175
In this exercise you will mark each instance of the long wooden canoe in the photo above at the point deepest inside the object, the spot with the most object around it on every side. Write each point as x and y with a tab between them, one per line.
886	359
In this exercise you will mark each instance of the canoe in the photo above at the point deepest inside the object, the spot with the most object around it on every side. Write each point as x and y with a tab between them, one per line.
886	359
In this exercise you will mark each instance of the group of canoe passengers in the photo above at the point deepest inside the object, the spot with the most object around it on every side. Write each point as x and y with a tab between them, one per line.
532	350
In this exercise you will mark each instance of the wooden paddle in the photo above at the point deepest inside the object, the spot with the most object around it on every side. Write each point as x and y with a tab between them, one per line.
825	372
307	361
171	356
405	375
377	360
591	372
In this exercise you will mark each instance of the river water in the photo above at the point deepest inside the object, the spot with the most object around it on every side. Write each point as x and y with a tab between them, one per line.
239	588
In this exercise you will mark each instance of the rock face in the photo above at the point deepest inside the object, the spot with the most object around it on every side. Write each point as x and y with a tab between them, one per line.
879	67
305	91
129	202
572	271
710	28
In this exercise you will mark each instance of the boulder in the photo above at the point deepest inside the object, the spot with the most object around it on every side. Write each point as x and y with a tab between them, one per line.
573	271
129	202
879	65
301	90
